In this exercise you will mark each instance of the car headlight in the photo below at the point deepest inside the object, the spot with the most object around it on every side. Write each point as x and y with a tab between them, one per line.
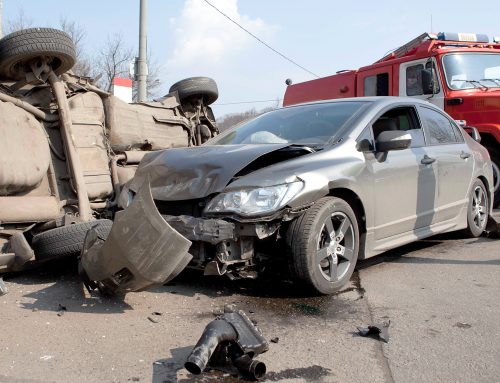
249	202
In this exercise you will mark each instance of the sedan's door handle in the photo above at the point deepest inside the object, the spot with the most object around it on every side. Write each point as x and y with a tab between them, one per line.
464	155
427	160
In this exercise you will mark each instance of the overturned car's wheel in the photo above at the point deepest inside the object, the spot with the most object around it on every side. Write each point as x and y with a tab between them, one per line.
196	87
20	49
323	245
477	210
67	240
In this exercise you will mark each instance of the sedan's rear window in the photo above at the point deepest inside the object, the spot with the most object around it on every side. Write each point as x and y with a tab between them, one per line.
307	124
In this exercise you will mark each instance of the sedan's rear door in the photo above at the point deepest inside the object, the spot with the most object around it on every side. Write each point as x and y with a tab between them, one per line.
446	145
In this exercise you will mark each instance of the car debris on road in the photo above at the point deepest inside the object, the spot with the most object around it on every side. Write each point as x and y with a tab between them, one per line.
229	343
3	287
377	331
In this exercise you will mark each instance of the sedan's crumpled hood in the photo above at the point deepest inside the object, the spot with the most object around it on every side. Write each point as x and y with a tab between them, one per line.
191	173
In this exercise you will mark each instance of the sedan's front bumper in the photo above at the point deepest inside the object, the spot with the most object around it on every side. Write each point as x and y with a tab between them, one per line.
142	249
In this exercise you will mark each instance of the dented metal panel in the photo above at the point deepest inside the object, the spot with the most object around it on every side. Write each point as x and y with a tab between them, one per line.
25	153
151	126
180	174
87	129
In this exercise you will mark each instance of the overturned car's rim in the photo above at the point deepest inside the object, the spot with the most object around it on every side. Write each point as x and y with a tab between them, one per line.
335	249
479	207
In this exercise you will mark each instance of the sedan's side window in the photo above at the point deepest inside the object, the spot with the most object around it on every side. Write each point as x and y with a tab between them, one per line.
438	128
401	118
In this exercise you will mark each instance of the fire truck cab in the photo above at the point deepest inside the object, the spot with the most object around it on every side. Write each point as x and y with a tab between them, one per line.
458	72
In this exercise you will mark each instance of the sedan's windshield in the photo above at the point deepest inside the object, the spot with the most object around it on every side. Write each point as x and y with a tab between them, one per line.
312	125
472	70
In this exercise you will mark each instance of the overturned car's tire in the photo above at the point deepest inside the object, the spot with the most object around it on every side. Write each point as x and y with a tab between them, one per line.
196	87
67	240
20	48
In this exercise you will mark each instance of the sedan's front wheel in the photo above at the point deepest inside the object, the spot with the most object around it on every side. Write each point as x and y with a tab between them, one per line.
323	245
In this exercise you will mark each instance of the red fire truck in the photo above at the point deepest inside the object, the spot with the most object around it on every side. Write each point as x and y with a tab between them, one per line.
458	72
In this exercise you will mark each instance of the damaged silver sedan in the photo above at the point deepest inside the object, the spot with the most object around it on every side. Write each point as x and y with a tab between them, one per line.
316	187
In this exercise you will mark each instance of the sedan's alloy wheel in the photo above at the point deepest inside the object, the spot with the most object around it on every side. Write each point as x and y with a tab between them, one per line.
323	245
479	207
335	247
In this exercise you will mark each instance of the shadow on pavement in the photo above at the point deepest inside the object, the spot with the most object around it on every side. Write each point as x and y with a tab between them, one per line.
66	289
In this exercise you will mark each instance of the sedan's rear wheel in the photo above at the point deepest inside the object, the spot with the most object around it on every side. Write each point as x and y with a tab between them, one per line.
477	211
323	244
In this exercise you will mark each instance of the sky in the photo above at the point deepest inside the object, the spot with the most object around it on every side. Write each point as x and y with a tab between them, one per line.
189	38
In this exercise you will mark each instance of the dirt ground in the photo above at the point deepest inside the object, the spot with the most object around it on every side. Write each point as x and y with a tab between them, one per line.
441	296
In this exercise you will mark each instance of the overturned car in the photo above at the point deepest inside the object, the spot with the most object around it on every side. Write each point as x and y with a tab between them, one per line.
67	147
314	186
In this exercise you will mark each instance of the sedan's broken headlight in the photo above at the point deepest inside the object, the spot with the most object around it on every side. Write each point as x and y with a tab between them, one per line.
249	202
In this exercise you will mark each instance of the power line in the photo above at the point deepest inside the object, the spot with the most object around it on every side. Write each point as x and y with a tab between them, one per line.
259	40
249	102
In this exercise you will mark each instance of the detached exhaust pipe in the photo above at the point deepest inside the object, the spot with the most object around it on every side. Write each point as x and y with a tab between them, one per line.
229	341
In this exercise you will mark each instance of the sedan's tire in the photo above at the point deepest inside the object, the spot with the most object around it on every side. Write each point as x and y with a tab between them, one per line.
196	87
477	210
19	48
68	240
323	245
495	161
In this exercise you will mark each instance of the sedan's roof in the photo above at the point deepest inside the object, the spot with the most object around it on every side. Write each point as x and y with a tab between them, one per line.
378	100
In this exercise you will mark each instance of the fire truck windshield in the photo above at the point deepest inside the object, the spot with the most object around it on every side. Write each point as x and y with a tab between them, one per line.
472	70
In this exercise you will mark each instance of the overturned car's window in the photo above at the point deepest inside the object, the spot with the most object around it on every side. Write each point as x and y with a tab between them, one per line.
307	124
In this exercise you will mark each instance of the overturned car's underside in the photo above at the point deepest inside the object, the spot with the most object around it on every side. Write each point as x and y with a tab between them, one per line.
67	147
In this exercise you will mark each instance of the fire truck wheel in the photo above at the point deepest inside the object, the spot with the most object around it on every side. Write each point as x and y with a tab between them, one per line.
495	160
196	87
68	240
22	50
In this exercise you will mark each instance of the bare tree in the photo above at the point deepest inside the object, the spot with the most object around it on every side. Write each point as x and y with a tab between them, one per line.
113	61
21	21
83	66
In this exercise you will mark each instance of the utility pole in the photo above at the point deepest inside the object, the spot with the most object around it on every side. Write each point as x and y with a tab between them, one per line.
142	65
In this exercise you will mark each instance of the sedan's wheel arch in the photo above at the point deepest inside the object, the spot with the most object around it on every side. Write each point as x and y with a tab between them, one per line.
321	261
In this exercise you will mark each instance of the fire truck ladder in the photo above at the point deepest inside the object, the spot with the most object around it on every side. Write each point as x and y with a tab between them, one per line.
408	47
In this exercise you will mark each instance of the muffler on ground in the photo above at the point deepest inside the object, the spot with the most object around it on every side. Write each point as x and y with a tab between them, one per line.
229	343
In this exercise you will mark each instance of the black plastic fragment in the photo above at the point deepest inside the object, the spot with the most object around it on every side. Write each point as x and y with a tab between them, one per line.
377	331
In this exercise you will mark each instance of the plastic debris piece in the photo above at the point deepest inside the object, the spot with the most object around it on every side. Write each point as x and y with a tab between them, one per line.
61	310
3	287
378	331
275	340
152	319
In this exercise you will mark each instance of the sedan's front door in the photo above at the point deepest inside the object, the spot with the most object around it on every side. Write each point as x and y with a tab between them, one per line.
405	181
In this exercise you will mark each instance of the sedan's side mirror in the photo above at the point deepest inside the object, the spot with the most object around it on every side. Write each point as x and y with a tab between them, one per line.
427	81
393	140
473	132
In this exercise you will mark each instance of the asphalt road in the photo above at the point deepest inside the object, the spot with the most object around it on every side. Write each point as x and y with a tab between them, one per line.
440	296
